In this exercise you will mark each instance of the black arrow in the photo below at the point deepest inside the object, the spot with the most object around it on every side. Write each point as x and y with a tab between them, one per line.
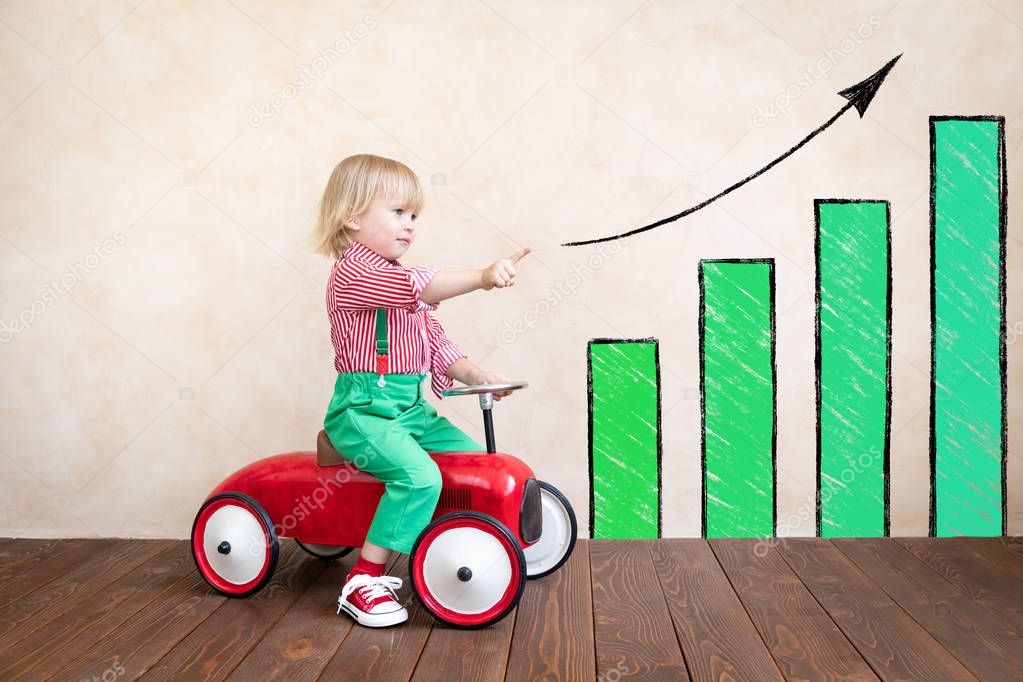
859	96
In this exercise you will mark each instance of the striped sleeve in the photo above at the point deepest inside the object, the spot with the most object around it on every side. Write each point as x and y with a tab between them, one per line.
360	286
443	352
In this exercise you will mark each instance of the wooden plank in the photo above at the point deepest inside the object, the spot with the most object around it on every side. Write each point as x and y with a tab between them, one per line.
908	616
895	645
146	637
95	615
300	645
14	551
553	636
470	655
383	653
1014	543
982	642
994	551
999	592
632	624
53	600
717	636
223	640
805	642
20	579
453	654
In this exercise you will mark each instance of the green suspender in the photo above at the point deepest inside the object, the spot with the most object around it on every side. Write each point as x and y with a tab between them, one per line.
382	345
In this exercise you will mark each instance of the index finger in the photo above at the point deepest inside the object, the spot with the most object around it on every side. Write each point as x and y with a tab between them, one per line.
516	257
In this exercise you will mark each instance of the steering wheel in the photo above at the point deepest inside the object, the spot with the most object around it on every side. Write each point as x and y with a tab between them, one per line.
478	389
486	394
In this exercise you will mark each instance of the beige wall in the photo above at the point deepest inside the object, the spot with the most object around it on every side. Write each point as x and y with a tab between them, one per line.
194	337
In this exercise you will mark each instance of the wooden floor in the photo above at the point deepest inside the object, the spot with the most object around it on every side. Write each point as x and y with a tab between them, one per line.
890	608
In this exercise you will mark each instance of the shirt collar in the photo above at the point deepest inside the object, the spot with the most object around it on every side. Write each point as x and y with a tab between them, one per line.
362	252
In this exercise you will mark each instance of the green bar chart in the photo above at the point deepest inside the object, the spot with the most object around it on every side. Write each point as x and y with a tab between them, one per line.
852	363
624	438
968	372
853	366
737	397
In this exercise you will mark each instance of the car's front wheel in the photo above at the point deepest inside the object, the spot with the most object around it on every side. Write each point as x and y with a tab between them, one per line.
467	569
557	537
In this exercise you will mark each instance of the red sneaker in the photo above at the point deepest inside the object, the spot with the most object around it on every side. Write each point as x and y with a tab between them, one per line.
371	600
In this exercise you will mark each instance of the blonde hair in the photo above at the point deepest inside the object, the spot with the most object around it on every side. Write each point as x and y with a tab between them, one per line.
353	186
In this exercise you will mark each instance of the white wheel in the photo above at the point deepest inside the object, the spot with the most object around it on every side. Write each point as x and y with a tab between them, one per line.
234	544
557	539
467	569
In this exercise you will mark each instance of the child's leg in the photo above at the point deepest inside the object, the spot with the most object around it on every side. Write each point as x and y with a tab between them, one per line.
440	435
372	561
412	484
375	428
375	553
411	479
411	488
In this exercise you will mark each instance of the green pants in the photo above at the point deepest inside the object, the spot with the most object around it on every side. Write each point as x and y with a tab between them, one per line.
388	431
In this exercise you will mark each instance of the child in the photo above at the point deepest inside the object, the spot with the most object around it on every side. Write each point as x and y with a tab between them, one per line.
385	341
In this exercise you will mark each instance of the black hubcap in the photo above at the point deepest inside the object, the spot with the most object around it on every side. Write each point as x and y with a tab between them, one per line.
224	547
464	574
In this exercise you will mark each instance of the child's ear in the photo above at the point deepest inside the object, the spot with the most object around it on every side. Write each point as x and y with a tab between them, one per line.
351	220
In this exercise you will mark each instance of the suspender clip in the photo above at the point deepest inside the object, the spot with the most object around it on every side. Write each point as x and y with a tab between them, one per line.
382	345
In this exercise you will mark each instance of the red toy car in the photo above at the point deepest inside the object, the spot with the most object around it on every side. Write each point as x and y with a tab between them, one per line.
495	525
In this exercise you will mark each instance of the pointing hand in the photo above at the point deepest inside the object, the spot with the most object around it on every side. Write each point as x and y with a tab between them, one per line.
501	273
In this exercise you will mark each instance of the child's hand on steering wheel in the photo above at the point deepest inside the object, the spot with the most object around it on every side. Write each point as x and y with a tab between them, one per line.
501	273
484	377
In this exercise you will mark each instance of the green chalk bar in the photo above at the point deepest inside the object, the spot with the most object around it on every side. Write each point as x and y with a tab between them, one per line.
967	439
738	393
853	332
624	447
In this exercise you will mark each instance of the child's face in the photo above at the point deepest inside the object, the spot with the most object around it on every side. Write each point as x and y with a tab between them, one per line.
386	227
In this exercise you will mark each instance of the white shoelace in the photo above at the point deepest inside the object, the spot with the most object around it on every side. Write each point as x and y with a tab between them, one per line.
370	587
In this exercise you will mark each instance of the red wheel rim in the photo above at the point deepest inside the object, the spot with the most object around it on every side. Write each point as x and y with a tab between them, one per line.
511	591
199	546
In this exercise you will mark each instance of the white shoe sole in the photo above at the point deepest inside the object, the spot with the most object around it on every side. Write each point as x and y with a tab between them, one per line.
374	620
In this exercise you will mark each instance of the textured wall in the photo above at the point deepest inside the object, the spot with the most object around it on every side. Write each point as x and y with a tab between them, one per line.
163	312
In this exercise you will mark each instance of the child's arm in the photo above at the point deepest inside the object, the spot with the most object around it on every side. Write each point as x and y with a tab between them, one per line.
452	283
463	369
450	362
500	273
469	374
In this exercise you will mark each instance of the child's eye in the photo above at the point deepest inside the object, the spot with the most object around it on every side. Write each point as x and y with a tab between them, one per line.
399	211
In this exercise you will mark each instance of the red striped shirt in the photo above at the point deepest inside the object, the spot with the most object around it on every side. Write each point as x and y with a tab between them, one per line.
362	281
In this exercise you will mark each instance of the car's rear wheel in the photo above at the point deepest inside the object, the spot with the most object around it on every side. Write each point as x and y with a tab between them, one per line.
234	544
328	552
467	569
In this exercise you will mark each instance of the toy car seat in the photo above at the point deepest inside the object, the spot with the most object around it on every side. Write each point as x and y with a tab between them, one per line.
326	455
